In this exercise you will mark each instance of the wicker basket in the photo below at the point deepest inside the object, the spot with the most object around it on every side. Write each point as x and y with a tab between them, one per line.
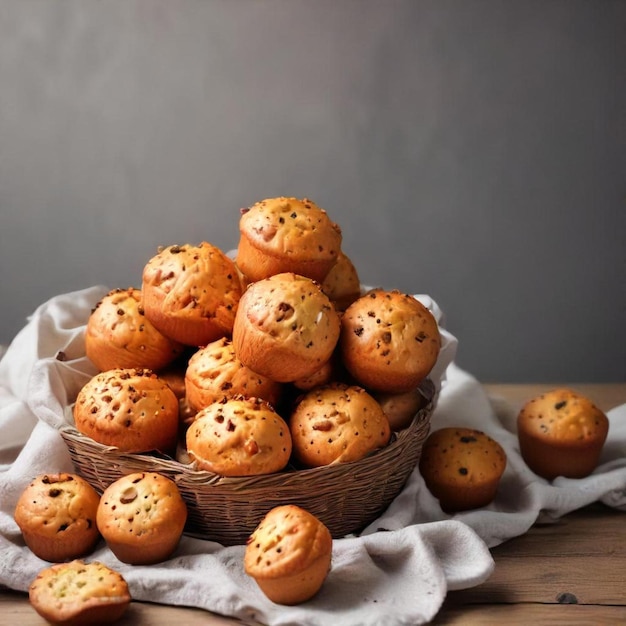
346	497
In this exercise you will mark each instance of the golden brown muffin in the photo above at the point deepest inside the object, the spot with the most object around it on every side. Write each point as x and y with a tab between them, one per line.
239	437
57	516
561	433
389	341
289	555
401	408
78	593
131	409
141	517
286	328
337	423
342	284
215	372
190	293
280	235
118	335
462	467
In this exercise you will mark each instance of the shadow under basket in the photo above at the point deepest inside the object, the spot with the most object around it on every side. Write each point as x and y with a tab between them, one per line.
345	496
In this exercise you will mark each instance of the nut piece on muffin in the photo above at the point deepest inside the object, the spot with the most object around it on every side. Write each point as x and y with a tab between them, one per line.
141	516
190	293
239	437
561	433
215	372
132	409
462	468
286	328
57	516
79	593
389	341
337	423
289	555
283	234
118	335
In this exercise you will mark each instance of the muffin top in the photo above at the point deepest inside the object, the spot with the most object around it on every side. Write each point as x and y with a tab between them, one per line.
292	227
337	423
118	334
563	415
132	409
57	503
239	436
287	541
461	457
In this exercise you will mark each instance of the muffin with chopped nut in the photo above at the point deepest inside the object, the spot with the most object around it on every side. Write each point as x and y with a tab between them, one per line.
289	555
132	409
57	516
215	372
77	593
337	423
285	234
389	341
118	335
190	293
286	328
462	467
342	284
141	516
239	436
561	433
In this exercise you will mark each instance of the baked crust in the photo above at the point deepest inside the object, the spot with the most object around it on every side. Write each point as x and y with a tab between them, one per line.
215	372
389	341
289	554
287	235
462	467
141	517
57	516
286	328
78	593
118	335
239	437
190	293
561	433
337	423
132	409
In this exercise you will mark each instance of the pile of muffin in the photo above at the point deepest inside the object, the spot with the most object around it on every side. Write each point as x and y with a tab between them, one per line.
271	360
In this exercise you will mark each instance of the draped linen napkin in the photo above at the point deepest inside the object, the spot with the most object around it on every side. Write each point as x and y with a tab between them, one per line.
397	571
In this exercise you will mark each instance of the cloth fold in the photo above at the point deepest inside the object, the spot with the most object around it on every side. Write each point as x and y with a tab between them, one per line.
397	571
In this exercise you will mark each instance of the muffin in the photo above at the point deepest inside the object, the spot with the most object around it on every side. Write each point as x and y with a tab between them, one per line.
141	517
79	593
389	341
280	235
286	328
401	408
561	433
131	409
342	284
239	437
190	293
215	372
337	423
462	468
289	555
57	516
118	335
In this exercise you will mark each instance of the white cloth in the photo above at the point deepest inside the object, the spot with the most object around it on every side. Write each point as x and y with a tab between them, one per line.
397	572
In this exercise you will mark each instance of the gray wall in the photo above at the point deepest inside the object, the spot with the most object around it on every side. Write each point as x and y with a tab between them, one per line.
471	150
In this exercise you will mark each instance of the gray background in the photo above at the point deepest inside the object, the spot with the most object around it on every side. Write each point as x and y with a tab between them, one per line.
474	151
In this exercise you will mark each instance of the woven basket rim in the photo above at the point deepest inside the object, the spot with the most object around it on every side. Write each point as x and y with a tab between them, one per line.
205	477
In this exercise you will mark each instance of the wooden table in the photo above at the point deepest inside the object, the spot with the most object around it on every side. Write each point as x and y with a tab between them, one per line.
571	572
